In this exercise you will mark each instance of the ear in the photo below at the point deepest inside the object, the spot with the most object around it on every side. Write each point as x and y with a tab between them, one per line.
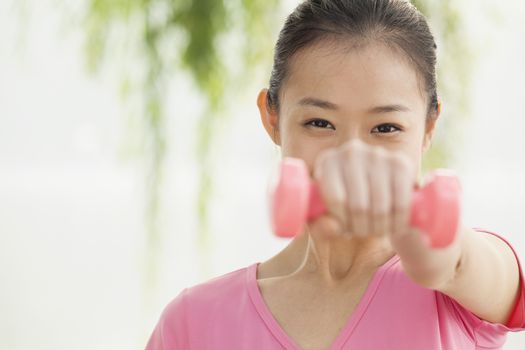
269	118
430	125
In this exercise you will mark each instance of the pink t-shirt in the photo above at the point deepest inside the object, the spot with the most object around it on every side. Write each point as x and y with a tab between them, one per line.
228	312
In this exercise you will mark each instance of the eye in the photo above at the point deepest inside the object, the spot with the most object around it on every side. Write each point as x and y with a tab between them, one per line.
319	123
384	128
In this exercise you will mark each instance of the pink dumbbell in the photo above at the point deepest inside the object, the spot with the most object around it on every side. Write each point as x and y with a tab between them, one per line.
296	200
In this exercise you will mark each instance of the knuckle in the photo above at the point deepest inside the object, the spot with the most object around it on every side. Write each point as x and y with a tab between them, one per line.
324	156
356	143
379	152
401	161
353	146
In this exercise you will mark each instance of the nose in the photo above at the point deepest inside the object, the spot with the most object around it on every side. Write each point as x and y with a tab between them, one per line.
352	132
354	141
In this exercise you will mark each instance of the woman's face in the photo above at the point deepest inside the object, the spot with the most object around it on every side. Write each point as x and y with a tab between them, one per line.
332	96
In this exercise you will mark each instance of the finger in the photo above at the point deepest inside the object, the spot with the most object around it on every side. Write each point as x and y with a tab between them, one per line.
331	187
379	179
403	184
356	185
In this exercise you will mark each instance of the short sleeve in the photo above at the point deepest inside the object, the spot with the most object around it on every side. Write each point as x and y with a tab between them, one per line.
516	321
170	331
484	333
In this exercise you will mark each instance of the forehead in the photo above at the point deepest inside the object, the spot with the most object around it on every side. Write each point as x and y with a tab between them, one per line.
354	78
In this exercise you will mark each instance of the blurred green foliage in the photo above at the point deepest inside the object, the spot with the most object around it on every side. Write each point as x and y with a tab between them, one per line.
166	38
169	37
455	60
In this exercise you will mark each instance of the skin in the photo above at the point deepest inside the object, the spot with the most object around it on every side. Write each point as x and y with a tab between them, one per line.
366	171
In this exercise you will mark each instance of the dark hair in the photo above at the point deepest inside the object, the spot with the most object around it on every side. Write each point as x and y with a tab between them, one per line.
396	23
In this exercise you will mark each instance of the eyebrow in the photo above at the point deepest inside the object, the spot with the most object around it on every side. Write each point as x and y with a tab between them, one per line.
315	102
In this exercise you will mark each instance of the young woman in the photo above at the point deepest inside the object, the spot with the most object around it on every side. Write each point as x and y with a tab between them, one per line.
353	94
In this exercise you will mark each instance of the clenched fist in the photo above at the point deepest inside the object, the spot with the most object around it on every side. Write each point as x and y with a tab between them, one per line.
367	191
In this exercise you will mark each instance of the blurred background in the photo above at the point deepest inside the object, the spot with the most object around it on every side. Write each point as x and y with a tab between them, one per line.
133	162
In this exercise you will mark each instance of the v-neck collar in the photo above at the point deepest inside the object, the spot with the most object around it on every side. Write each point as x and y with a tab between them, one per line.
279	333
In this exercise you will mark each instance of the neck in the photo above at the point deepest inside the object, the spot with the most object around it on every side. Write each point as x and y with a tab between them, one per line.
332	261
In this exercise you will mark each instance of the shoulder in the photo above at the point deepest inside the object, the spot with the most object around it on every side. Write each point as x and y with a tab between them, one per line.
214	293
217	287
196	309
483	332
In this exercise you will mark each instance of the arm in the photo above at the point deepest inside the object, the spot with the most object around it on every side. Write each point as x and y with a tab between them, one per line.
477	267
488	271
